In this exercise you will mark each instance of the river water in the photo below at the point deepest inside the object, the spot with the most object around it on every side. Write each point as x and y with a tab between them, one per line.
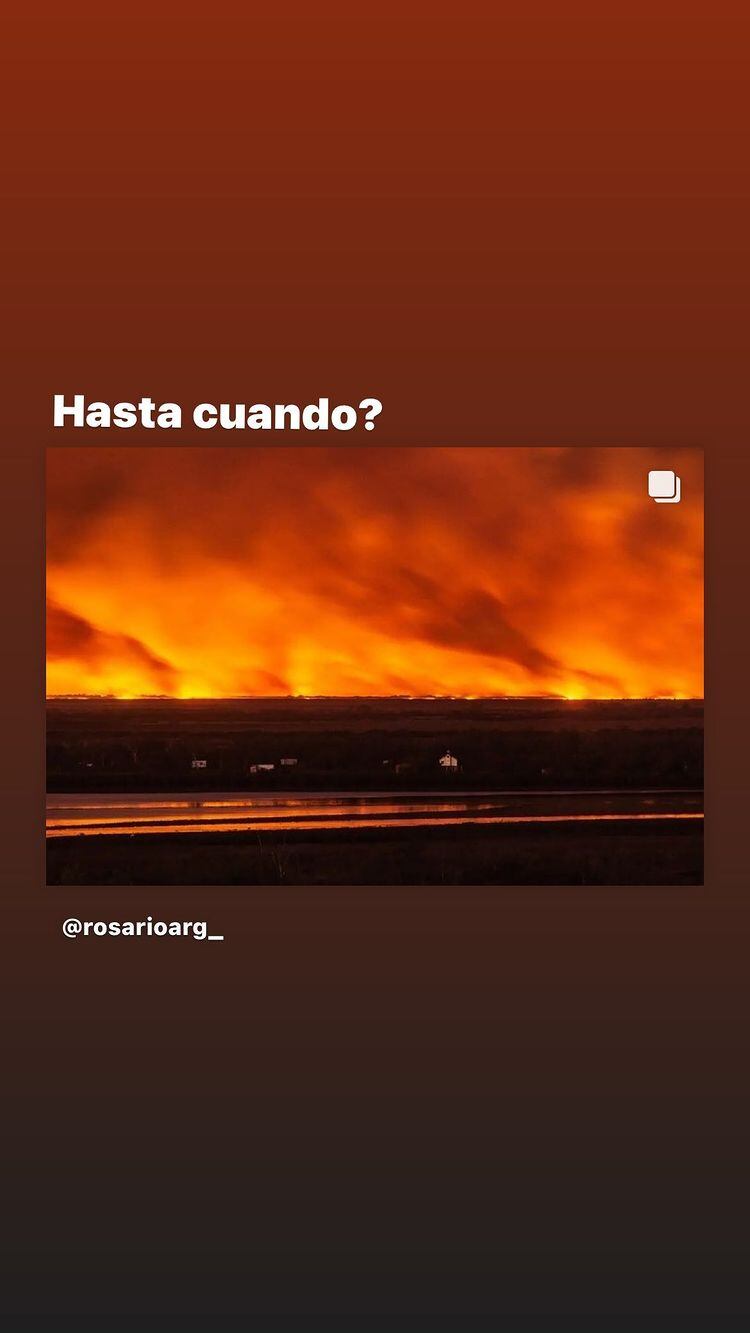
90	814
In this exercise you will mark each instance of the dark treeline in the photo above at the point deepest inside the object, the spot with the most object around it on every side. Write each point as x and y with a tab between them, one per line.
372	744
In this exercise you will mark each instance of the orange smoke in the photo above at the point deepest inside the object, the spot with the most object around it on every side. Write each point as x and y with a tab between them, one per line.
350	570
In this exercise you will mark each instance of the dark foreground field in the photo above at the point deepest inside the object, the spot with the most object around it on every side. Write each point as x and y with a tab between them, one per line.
390	746
601	853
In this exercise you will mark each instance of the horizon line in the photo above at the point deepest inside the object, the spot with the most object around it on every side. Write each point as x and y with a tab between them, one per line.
406	698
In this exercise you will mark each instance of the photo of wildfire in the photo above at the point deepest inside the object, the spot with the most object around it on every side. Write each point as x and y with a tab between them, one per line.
478	650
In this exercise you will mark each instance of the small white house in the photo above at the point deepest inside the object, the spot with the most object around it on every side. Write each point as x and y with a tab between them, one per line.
288	763
198	763
448	761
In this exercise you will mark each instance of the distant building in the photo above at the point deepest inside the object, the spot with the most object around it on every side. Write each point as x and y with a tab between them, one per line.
288	763
449	761
198	763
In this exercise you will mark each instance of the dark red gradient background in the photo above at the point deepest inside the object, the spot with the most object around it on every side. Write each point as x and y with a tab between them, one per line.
512	224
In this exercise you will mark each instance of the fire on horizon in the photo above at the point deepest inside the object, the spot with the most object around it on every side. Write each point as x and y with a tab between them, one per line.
356	570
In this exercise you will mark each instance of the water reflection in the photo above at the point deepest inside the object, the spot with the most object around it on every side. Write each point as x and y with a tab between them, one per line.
227	813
